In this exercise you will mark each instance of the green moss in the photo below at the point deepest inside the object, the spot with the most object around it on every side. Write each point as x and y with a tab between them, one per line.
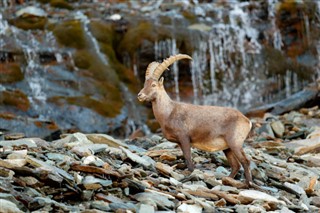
103	32
165	20
278	64
29	23
43	1
106	36
82	59
61	4
15	98
105	108
135	36
70	34
10	73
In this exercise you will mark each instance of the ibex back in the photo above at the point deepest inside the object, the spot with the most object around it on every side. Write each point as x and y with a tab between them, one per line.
208	128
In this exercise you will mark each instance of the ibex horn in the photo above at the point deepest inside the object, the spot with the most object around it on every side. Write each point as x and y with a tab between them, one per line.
166	63
151	67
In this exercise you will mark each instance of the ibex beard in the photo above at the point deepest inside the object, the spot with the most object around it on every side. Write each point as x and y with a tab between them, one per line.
208	128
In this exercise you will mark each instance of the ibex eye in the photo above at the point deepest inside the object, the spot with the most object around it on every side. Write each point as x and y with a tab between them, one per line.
153	85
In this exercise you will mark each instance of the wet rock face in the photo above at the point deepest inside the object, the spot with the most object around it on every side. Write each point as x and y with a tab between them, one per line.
96	173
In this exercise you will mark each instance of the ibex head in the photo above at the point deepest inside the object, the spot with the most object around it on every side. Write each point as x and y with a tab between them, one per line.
154	71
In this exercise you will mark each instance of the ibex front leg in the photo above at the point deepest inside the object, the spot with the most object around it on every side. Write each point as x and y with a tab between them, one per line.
184	143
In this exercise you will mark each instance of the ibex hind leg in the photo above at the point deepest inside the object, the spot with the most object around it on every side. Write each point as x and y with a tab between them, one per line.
235	143
233	161
240	155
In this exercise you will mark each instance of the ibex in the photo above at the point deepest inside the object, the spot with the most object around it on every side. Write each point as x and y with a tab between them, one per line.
208	128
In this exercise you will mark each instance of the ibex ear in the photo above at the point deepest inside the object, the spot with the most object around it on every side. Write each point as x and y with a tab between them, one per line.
161	81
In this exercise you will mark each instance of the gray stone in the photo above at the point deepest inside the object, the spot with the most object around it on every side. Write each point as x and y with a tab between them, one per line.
93	160
304	146
249	209
145	208
88	149
101	205
285	209
29	142
221	172
91	179
315	201
278	128
161	201
18	154
122	205
257	195
9	207
42	201
59	157
55	170
296	189
71	140
12	163
185	208
136	158
266	129
11	198
106	139
86	195
165	145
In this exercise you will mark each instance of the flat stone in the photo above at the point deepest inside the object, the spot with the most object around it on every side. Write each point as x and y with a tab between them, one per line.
249	208
14	136
168	157
9	207
42	201
12	163
161	201
315	133
251	195
304	146
29	142
164	168
59	157
93	160
296	189
88	149
55	170
11	198
86	195
30	181
136	158
315	201
145	208
267	130
6	173
164	145
220	203
221	172
71	140
184	208
105	139
278	128
285	209
127	206
91	179
18	154
101	205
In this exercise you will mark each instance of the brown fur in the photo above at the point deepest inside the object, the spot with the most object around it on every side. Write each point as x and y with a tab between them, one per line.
208	128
